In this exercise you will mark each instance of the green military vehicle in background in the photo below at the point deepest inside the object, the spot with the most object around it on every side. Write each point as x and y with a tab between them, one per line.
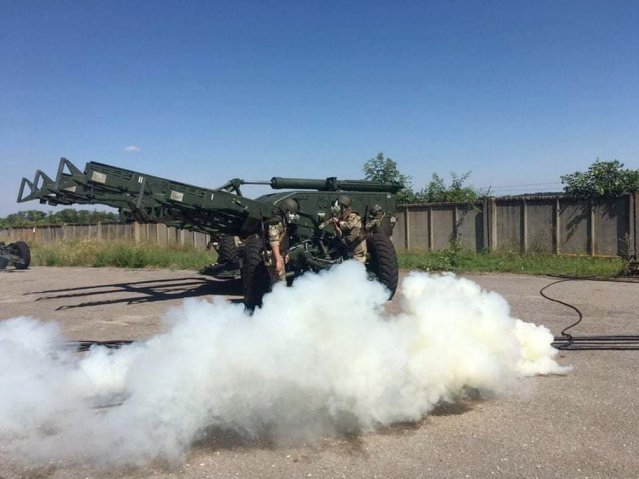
238	225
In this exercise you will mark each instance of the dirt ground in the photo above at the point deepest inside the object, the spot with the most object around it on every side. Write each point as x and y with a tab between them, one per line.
583	425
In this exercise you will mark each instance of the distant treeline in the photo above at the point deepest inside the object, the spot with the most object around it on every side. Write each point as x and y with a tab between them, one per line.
67	216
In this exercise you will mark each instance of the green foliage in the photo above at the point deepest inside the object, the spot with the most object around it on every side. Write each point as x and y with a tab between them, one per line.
386	170
458	191
455	258
121	254
602	179
65	216
461	261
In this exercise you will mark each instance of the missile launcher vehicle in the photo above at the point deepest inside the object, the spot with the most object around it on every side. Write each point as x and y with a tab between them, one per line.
238	225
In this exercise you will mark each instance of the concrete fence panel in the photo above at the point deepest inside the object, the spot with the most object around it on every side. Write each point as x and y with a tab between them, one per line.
533	224
418	228
612	228
540	226
574	226
469	227
510	221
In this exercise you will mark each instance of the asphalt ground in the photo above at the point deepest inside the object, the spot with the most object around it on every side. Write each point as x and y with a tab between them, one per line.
582	425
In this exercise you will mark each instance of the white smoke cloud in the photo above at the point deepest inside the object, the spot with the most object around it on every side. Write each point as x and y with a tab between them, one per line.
132	149
319	358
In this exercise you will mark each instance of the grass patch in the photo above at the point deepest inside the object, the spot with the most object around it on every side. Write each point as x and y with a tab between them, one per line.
124	254
460	261
121	254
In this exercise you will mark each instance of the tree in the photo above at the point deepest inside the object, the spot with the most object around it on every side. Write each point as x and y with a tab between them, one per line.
602	179
69	216
437	192
65	216
385	170
29	217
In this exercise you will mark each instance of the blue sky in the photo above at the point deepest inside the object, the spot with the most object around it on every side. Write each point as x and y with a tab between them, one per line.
518	92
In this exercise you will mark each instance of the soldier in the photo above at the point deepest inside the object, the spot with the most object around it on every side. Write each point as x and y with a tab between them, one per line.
278	237
348	226
374	220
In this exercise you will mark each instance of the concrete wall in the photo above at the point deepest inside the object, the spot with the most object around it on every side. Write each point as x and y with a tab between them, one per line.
534	224
139	232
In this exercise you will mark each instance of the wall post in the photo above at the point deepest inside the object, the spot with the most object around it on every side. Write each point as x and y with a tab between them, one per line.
591	228
493	224
484	225
556	227
455	223
632	225
524	226
136	232
406	228
431	231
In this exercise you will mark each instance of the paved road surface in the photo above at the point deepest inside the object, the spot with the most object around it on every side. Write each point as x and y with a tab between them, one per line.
582	425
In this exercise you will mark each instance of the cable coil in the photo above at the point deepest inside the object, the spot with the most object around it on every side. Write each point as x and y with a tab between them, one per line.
589	343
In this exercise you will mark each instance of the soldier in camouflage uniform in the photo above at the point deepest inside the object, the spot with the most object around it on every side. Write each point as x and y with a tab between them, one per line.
374	221
349	227
278	238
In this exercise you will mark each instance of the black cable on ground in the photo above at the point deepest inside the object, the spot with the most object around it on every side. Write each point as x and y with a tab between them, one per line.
564	342
589	343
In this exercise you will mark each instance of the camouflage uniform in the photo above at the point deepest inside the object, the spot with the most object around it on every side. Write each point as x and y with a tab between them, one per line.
374	225
374	220
276	236
354	235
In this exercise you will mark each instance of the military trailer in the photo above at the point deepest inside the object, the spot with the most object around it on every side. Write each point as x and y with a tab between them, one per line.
237	224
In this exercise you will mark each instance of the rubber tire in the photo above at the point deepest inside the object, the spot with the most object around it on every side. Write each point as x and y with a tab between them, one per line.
228	250
24	252
382	261
256	279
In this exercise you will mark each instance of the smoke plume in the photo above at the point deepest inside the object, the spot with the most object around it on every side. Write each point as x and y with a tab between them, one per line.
322	357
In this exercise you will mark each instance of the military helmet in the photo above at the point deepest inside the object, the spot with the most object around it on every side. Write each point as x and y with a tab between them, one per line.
375	210
345	201
289	205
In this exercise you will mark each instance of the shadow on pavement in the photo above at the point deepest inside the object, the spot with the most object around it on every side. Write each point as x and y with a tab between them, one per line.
139	292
